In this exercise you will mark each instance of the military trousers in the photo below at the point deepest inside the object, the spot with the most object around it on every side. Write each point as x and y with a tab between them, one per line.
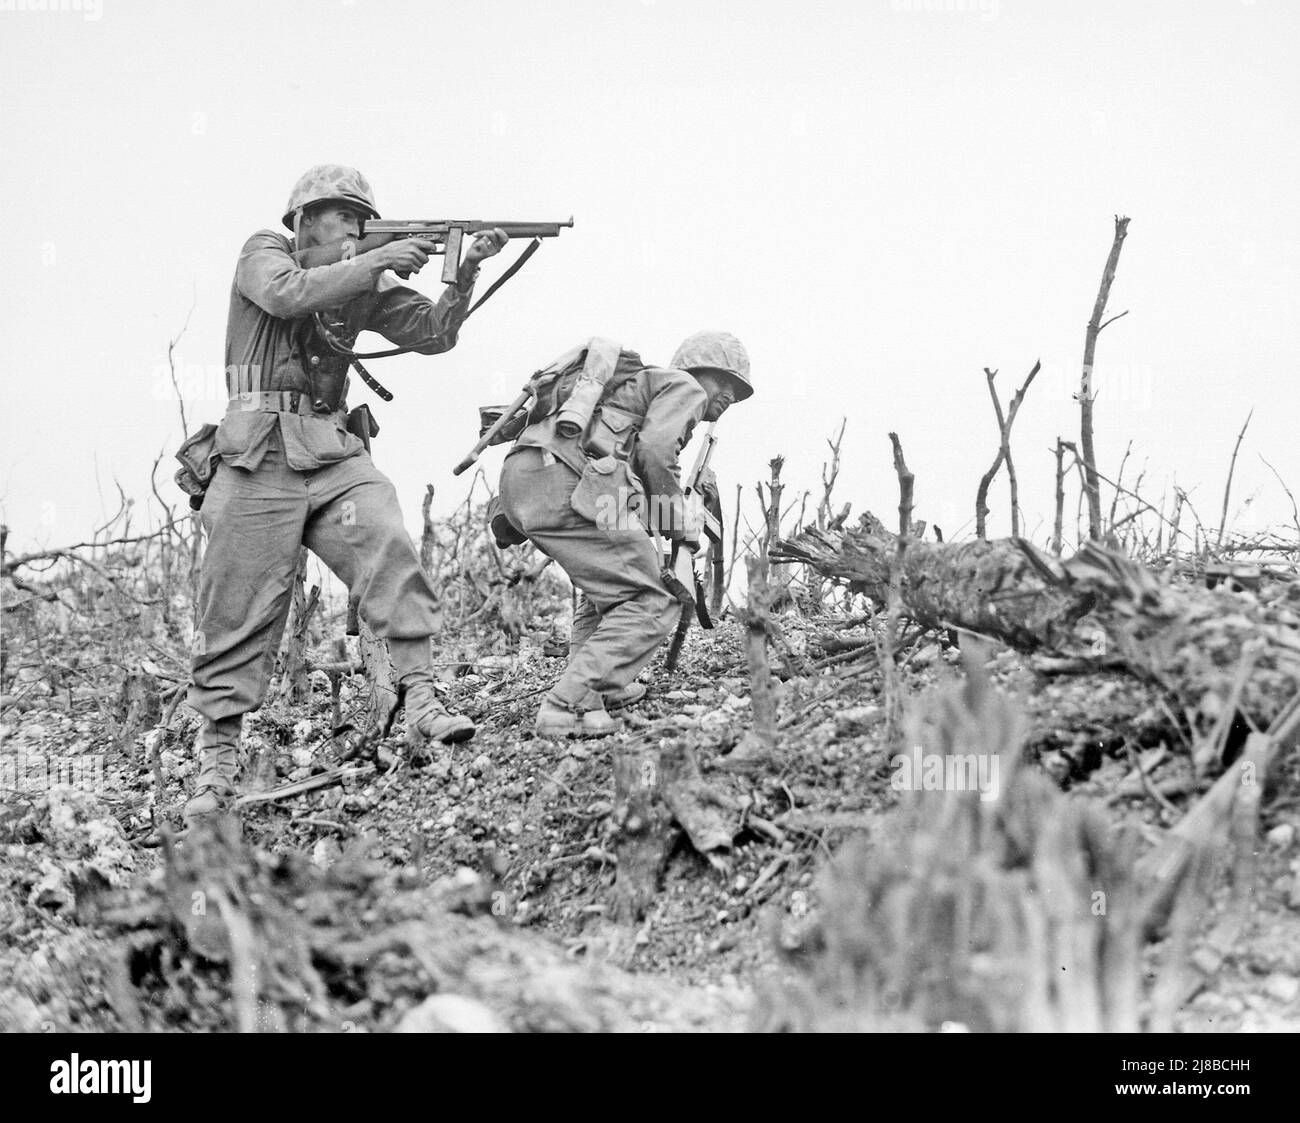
347	514
628	613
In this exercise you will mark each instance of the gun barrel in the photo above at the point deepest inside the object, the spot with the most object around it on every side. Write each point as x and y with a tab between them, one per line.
438	227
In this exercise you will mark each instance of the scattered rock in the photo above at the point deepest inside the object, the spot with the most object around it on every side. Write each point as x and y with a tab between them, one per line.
925	655
1207	960
450	1013
1282	836
326	852
1285	988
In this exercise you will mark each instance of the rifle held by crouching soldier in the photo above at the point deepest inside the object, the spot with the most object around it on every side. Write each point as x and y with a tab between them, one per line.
701	494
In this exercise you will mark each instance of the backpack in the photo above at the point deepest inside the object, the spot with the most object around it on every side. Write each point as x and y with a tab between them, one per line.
603	429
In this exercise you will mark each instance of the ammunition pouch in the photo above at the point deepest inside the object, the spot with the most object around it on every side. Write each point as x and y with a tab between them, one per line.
608	494
611	432
361	424
198	457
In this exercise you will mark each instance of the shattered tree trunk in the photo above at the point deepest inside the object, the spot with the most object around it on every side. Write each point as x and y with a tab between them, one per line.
379	677
756	747
1187	639
658	789
1092	485
294	685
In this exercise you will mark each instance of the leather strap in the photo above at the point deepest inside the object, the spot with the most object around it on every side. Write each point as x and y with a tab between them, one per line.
371	381
529	250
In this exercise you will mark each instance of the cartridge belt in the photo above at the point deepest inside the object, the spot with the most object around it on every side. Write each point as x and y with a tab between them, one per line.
277	401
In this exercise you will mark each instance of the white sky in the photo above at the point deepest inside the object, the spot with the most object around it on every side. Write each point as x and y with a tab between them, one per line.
879	200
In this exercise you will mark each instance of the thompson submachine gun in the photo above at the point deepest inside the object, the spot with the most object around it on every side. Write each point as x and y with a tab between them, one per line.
326	346
446	233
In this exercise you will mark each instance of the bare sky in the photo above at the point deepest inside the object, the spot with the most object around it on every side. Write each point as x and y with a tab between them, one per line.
879	198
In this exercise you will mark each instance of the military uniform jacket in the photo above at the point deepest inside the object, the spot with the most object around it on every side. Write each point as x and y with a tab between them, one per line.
268	299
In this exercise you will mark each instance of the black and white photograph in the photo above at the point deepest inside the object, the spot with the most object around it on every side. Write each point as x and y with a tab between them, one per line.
650	516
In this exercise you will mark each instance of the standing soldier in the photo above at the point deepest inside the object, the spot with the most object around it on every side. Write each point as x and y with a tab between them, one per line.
290	474
586	493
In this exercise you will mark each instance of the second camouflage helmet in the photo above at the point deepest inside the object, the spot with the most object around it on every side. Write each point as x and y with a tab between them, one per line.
326	182
716	350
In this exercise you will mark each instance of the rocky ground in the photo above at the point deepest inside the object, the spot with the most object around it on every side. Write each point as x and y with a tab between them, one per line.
472	888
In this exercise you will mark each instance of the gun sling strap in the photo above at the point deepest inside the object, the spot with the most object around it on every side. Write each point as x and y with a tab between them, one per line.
340	347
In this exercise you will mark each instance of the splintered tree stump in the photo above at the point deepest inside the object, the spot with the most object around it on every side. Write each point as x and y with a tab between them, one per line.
708	817
380	678
428	532
139	706
757	746
642	821
658	791
294	688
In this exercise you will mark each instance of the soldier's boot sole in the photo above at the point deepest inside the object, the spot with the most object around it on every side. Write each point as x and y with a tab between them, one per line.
208	802
446	728
555	721
629	695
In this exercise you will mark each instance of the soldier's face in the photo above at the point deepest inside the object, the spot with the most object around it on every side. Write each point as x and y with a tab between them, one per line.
721	394
330	223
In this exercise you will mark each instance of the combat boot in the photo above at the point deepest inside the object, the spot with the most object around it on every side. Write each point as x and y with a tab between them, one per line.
427	719
628	695
218	747
557	720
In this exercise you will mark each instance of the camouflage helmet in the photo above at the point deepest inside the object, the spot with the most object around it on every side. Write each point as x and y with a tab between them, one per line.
326	182
716	350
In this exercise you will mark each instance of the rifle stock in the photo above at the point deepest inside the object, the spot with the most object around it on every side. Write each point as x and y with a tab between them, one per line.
508	415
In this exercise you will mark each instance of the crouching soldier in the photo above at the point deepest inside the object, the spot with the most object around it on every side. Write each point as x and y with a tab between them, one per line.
593	470
289	473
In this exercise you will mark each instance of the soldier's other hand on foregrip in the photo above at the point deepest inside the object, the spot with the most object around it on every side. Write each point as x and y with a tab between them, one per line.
487	243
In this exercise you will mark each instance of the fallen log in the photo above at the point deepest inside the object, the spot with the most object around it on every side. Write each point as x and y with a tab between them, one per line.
1097	607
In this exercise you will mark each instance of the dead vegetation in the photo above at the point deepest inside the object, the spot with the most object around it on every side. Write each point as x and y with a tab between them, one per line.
741	855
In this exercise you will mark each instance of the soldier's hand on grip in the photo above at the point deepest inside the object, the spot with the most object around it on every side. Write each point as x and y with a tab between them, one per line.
407	256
